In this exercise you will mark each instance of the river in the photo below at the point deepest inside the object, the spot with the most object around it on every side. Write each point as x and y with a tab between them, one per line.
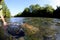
21	19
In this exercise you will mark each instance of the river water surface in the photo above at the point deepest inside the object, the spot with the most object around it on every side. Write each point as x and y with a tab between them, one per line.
21	19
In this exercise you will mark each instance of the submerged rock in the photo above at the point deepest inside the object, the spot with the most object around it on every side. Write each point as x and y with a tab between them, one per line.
15	30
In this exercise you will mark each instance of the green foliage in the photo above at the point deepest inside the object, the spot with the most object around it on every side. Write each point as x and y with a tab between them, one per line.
37	10
34	7
57	12
49	9
18	14
6	11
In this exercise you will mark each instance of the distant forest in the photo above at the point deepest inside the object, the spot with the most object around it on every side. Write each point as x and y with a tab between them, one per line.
38	11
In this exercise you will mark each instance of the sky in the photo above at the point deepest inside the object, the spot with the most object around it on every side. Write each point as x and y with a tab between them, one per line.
16	6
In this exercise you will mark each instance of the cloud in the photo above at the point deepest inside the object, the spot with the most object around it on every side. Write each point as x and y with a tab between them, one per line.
55	3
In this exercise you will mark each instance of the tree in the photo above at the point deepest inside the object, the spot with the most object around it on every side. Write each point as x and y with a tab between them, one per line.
26	12
49	8
34	7
6	11
48	11
38	11
18	14
57	12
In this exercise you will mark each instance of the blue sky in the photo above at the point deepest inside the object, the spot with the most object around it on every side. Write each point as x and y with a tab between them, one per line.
17	6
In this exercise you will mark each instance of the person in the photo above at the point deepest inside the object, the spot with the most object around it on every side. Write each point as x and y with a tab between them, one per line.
1	14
